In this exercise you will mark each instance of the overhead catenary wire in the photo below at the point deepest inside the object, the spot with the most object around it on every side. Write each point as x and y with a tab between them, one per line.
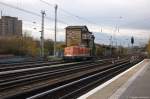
30	12
48	18
69	13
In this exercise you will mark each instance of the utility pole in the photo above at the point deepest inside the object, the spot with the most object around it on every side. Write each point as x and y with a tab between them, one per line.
55	29
101	30
42	34
111	45
1	13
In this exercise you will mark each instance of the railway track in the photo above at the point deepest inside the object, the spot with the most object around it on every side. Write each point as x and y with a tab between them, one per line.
32	63
29	62
27	82
28	65
8	61
74	89
18	76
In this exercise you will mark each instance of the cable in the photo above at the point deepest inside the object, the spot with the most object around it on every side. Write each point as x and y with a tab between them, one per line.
71	14
37	26
30	12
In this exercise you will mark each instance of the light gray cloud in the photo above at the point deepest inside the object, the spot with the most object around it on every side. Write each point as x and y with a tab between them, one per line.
104	13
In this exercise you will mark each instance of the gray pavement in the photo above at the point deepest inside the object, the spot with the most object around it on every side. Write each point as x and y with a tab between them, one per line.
140	87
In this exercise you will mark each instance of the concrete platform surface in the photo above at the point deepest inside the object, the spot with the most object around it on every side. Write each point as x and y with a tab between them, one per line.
134	83
138	87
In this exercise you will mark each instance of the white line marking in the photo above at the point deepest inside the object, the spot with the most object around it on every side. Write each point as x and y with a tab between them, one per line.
106	83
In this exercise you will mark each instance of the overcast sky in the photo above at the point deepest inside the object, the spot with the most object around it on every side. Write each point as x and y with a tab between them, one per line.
131	17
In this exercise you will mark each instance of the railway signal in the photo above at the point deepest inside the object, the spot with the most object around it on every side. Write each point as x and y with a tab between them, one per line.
132	40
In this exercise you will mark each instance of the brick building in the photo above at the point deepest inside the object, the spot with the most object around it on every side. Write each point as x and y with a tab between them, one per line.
10	26
78	35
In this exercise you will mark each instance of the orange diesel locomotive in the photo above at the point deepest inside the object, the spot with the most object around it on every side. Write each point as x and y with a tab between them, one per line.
76	52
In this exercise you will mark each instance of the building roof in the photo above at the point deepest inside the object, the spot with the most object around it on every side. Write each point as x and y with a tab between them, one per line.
84	27
9	17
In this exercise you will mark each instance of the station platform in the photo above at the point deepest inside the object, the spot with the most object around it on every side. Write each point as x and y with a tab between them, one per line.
133	83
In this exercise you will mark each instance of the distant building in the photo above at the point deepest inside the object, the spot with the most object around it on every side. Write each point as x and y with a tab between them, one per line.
10	26
78	35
